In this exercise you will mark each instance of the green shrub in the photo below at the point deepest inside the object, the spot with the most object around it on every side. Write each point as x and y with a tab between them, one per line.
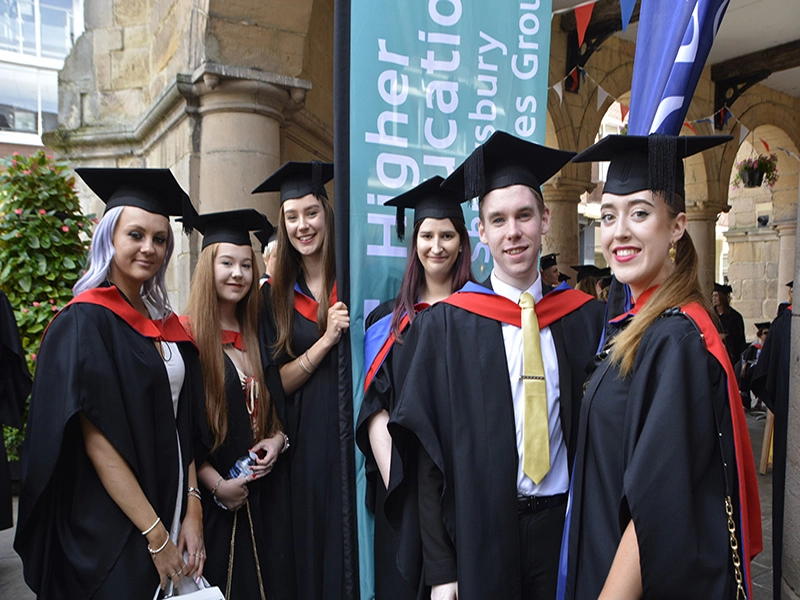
43	247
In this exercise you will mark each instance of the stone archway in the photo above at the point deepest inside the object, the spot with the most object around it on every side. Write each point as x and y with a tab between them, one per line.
762	228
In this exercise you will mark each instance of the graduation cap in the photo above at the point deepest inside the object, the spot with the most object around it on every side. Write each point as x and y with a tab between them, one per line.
154	190
428	200
790	284
647	162
548	260
265	236
762	326
298	179
563	276
723	288
584	271
231	226
505	160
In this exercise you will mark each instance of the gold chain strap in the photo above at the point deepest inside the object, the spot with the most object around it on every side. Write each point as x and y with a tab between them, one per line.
737	562
255	553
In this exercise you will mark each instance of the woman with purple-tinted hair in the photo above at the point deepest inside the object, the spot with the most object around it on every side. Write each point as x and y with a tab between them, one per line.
109	505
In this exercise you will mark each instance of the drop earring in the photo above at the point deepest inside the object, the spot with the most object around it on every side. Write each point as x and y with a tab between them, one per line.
672	252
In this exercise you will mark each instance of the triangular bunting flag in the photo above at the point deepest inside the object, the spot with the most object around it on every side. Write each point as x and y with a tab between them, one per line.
626	7
583	14
690	127
743	131
601	97
624	110
766	145
559	89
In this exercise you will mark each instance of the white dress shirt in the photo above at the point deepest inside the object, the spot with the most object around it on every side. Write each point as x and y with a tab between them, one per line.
557	479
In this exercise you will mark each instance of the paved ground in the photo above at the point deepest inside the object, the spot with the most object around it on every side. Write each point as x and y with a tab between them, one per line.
12	586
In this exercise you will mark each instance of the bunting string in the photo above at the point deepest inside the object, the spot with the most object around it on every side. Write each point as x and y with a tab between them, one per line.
602	95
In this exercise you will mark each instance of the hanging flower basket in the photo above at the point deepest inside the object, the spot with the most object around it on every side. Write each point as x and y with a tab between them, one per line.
755	171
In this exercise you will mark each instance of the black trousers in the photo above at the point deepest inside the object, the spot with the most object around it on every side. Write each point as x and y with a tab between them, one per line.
540	545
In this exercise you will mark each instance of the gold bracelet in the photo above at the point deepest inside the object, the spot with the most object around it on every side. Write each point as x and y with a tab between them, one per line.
164	545
153	526
216	486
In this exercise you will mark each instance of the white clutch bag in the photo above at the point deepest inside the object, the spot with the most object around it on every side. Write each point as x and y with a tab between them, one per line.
187	589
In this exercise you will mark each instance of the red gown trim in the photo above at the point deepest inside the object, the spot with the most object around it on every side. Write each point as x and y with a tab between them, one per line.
551	308
749	502
307	306
168	330
387	346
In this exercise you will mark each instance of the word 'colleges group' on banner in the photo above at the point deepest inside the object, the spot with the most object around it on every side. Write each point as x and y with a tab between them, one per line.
429	81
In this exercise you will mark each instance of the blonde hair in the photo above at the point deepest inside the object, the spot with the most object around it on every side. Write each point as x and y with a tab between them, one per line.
203	309
682	287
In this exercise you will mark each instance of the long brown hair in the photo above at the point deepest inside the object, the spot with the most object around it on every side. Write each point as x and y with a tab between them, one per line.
681	287
289	265
203	309
414	276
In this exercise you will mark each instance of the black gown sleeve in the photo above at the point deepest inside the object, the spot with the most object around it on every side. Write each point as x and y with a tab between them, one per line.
439	555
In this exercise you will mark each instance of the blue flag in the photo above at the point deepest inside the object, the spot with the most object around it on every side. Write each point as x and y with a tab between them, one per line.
675	37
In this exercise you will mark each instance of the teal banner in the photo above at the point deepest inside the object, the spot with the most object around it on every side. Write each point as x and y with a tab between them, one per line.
429	81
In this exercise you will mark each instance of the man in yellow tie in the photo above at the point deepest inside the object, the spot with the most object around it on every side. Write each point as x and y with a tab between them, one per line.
492	390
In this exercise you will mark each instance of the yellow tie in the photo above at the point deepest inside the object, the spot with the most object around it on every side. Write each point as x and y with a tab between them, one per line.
535	429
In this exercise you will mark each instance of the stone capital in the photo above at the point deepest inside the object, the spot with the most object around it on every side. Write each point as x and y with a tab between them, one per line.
226	88
785	228
565	189
705	209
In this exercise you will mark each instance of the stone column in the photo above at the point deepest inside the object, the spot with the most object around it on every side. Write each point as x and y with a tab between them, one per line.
701	225
787	234
562	197
791	526
241	113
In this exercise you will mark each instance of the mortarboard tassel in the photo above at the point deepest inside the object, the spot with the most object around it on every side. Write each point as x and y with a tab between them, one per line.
474	182
662	156
400	223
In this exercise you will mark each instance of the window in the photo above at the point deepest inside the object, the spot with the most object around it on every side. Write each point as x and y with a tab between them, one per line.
41	28
35	37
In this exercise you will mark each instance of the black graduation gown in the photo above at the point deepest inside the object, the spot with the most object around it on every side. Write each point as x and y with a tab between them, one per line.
456	402
390	584
648	450
770	382
15	385
218	523
75	542
311	418
733	327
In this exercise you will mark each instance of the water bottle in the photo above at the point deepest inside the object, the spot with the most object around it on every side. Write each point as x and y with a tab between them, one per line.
243	467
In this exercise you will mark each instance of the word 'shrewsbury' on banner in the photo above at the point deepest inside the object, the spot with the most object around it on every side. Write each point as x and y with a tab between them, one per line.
429	81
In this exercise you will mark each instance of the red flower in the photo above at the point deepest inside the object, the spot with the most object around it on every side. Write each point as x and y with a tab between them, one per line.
17	211
33	357
52	301
37	304
54	309
26	172
64	228
80	225
42	211
25	311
